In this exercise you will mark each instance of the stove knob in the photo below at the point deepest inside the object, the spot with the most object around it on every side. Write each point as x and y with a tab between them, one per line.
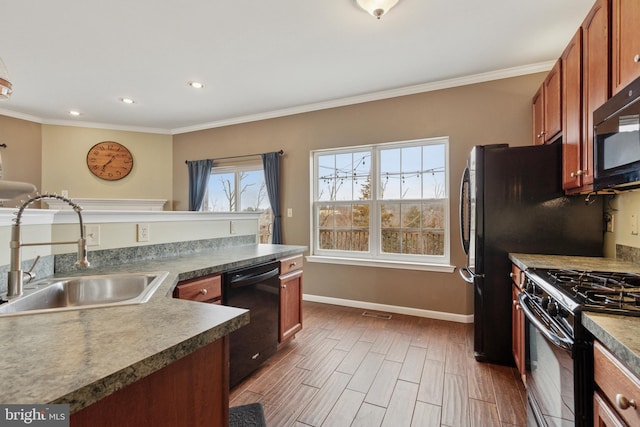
545	302
552	309
529	287
563	313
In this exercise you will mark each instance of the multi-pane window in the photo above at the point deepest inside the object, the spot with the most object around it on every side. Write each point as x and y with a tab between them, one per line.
387	201
240	189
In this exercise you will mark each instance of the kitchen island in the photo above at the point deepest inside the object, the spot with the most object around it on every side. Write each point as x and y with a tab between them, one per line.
80	357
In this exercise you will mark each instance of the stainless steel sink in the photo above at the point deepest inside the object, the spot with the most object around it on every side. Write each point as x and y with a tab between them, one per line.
76	293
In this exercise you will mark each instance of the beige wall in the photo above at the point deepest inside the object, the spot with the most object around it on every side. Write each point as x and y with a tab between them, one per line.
22	159
64	150
492	112
622	206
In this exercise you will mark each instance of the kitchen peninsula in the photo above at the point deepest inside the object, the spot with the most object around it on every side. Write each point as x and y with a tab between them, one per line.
86	357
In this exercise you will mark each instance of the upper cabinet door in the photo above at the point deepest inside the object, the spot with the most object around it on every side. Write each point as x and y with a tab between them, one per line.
538	116
553	102
625	55
572	113
595	39
547	107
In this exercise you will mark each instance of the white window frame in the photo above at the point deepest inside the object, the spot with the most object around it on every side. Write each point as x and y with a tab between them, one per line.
236	169
374	257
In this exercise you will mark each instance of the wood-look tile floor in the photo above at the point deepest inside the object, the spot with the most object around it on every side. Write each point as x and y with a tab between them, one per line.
346	369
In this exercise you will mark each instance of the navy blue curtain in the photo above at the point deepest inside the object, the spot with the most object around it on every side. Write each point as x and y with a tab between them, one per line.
271	164
199	172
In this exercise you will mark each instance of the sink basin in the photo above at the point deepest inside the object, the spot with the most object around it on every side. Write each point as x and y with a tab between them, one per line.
76	293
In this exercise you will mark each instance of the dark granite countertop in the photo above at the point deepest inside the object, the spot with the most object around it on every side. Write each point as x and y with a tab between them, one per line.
618	333
524	261
79	357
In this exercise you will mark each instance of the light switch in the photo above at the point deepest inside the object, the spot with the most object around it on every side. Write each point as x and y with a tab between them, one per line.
289	212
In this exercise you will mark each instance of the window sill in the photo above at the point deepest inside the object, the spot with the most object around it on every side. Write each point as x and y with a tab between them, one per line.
440	268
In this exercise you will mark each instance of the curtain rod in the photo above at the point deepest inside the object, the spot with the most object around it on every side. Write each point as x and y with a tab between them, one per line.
281	152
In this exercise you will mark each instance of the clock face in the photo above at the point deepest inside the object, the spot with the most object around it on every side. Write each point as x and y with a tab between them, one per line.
109	160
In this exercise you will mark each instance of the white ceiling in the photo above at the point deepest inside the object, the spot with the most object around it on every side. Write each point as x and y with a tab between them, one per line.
257	58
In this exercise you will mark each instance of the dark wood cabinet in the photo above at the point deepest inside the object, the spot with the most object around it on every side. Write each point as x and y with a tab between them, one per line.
547	107
553	103
603	414
538	117
625	46
290	297
203	289
617	390
572	142
192	391
595	77
517	323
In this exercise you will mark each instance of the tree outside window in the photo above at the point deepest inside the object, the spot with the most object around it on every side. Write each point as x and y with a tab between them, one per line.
236	189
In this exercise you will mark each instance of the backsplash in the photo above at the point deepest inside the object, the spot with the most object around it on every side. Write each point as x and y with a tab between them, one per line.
627	253
64	263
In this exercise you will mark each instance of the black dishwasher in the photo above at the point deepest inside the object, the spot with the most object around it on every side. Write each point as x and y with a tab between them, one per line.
255	288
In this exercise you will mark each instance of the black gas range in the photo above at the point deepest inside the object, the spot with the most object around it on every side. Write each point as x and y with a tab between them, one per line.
559	357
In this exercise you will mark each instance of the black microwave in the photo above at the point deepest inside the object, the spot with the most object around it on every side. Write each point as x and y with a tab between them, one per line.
616	140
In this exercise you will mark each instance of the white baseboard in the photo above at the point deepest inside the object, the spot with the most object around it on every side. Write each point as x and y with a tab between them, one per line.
440	315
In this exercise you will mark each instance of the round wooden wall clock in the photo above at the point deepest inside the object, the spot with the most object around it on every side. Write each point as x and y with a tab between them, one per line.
109	160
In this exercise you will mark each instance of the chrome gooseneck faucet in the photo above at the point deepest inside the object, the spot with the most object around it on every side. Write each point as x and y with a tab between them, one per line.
16	275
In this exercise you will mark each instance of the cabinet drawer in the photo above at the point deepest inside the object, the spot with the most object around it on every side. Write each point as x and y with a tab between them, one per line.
617	384
291	264
201	289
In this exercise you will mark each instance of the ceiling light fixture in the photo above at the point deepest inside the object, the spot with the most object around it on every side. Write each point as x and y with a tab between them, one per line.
377	8
196	85
5	85
127	100
74	113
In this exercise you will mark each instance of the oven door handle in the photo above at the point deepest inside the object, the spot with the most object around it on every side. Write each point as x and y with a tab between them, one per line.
554	336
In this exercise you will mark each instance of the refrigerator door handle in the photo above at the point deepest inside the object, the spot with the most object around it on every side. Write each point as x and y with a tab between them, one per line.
465	210
468	275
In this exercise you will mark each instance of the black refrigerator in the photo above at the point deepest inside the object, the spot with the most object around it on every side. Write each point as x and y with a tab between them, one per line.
511	200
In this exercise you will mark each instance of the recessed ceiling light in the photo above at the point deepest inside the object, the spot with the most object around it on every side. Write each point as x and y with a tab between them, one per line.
196	85
74	113
127	100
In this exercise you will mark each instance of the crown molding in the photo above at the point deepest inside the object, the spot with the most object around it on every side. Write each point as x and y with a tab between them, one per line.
342	102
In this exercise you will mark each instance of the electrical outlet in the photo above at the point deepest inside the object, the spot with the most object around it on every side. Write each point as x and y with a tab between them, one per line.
92	234
232	227
289	212
64	193
634	224
610	218
143	232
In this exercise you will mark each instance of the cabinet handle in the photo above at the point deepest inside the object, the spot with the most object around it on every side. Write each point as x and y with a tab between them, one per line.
577	173
293	264
636	58
283	286
624	403
511	274
204	291
516	305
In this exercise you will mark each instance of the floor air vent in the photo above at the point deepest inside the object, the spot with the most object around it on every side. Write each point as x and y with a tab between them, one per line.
377	315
